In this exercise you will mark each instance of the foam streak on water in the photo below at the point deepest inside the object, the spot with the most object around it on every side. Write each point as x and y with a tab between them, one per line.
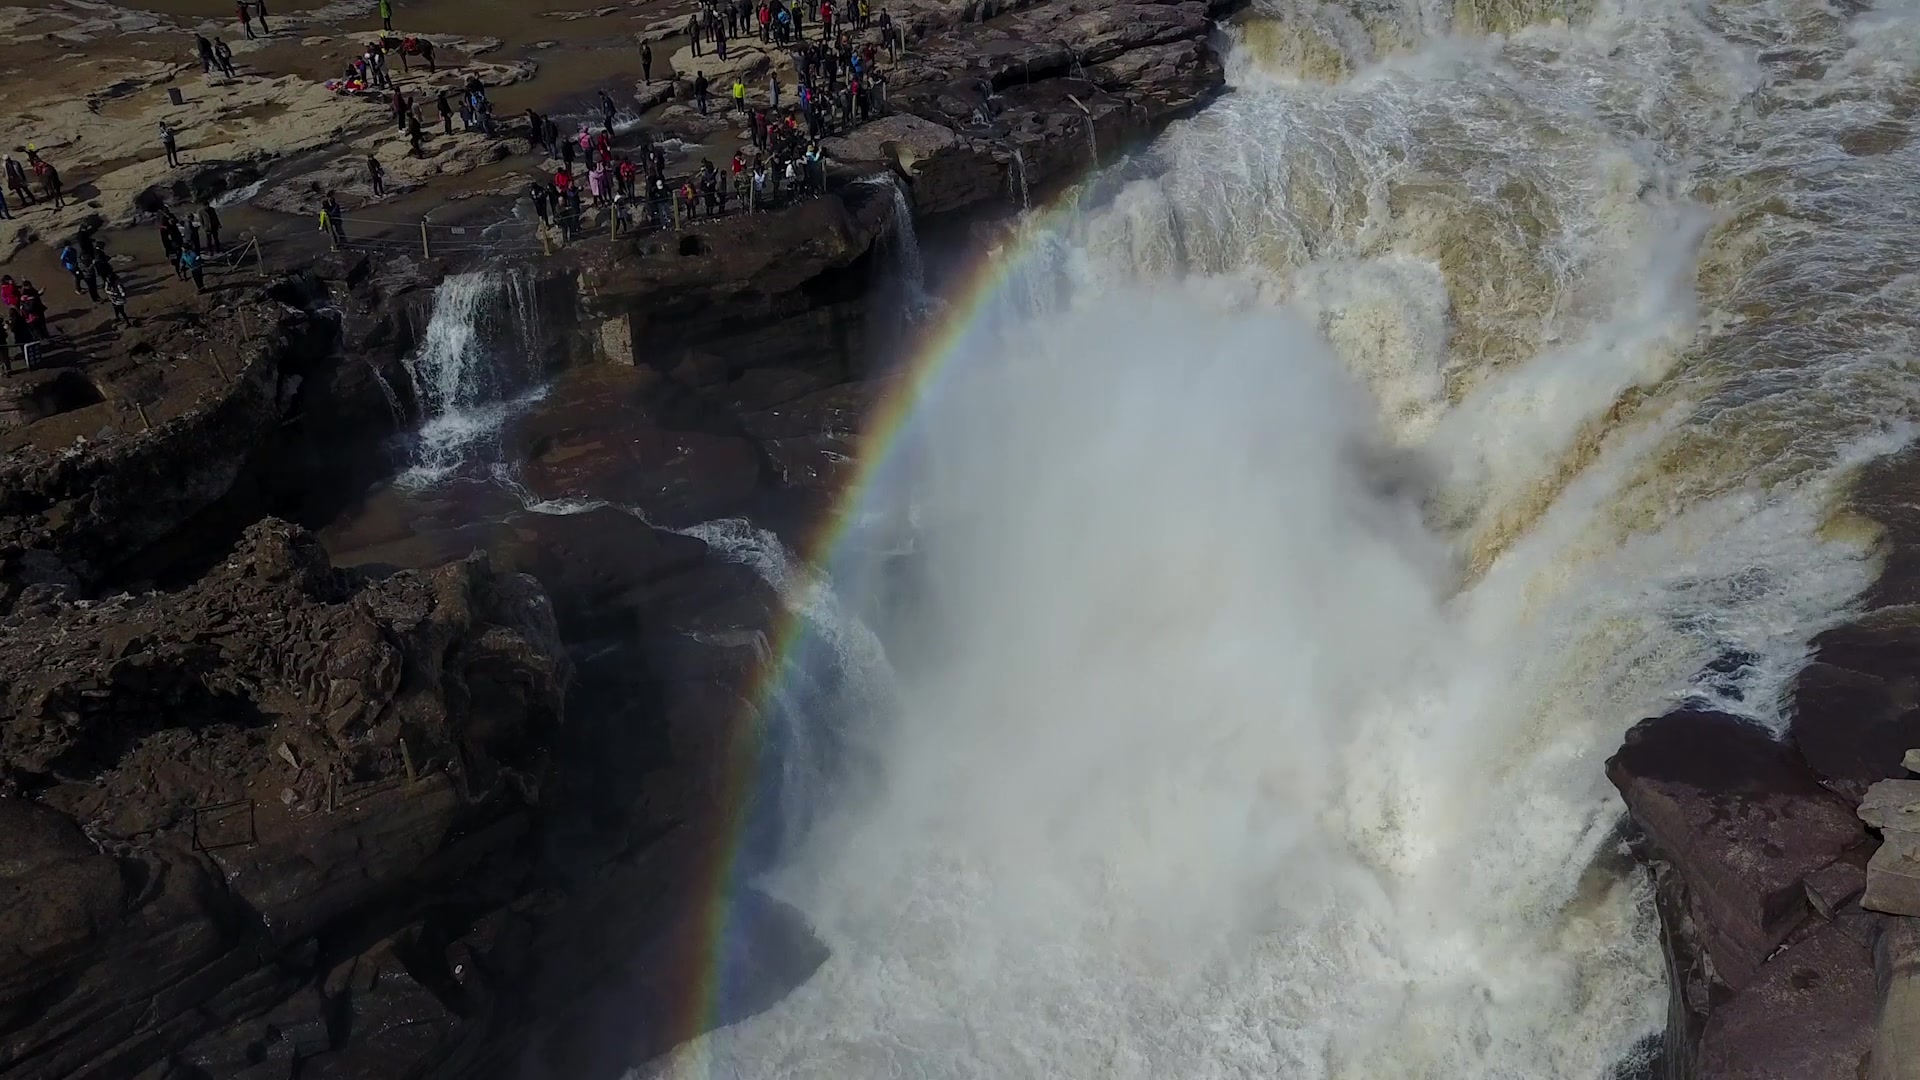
1326	510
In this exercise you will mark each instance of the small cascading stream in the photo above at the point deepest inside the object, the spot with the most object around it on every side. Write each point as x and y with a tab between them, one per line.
478	358
903	241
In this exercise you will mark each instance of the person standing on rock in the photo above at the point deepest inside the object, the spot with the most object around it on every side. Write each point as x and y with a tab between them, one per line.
607	110
193	234
700	85
415	138
190	259
70	262
693	32
206	53
212	221
17	180
330	222
170	244
399	106
719	36
260	9
168	143
386	15
33	308
117	296
377	176
223	56
566	155
50	180
245	13
446	113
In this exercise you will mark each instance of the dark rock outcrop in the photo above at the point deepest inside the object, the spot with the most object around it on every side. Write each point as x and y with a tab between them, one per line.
1743	822
1062	85
789	289
94	502
214	797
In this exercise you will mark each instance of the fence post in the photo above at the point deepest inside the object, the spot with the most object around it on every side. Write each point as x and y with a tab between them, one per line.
426	250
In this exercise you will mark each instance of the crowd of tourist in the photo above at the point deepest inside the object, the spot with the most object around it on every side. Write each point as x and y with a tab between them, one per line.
837	82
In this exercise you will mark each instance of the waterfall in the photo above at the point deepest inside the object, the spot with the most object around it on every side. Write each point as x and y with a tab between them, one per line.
1017	182
1301	529
481	347
905	240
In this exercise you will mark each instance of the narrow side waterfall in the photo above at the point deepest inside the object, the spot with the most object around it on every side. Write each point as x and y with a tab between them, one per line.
1017	182
904	240
1298	531
481	349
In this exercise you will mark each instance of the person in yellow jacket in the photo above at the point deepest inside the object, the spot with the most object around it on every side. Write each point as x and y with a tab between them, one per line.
739	94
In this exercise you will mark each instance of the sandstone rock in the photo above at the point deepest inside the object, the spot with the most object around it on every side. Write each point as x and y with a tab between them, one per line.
946	171
598	566
1836	883
787	290
1807	1015
1742	821
1892	804
1896	970
1893	875
1911	762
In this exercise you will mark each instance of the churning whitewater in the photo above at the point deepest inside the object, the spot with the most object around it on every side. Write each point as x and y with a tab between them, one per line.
480	348
1464	386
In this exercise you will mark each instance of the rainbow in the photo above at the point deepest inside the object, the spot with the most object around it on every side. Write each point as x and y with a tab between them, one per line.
954	334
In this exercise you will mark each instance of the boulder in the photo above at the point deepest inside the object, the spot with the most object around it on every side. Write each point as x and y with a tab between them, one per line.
945	170
1892	804
1743	822
1893	875
1806	1015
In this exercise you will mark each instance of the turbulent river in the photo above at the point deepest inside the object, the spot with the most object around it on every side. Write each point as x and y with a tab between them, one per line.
1302	526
